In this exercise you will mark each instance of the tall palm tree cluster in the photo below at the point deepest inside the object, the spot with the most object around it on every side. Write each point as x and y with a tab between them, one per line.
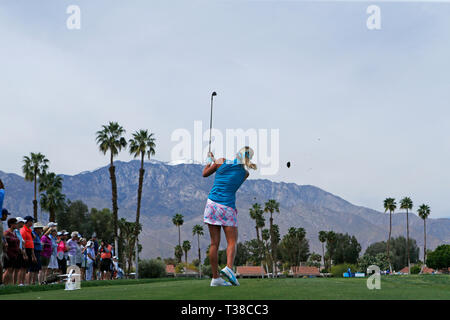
406	204
48	184
197	230
267	239
110	140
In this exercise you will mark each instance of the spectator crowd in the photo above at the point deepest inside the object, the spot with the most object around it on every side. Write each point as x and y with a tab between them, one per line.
33	253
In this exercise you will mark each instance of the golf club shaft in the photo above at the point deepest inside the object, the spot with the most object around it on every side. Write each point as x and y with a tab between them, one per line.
210	123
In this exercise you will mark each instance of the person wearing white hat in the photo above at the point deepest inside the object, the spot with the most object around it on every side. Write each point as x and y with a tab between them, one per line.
46	253
89	257
61	252
53	264
52	224
220	210
36	267
72	244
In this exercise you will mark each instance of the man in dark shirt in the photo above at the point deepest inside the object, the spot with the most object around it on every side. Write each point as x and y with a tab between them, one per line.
3	244
12	252
96	262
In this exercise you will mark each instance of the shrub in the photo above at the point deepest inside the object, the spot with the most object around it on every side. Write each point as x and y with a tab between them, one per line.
340	269
196	262
440	257
152	268
179	268
206	270
415	269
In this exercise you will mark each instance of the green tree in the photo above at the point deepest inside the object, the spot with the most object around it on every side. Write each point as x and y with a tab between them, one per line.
398	251
74	217
265	235
110	139
407	204
323	239
439	258
314	260
197	230
101	222
423	212
295	247
389	205
254	251
380	260
272	206
256	213
344	249
331	238
178	253
33	168
142	144
178	221
186	248
52	199
127	241
242	254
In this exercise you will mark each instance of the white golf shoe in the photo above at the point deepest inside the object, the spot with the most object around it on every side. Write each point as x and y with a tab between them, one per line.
227	272
219	282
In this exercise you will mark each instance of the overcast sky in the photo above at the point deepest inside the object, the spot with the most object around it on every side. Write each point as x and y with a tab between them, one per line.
362	114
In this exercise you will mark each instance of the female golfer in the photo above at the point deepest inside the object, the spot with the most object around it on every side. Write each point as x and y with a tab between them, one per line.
220	210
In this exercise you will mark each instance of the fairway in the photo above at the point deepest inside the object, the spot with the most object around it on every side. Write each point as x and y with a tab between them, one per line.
393	287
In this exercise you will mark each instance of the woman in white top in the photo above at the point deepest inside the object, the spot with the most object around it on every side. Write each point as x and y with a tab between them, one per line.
90	258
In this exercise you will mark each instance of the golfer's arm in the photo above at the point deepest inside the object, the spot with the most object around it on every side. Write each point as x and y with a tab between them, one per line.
211	168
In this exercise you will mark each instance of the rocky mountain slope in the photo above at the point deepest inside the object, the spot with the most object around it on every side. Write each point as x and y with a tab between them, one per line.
170	189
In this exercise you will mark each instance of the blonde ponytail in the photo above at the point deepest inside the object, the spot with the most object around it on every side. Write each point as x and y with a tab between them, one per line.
249	164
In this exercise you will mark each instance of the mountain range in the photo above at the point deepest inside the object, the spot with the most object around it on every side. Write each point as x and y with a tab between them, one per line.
180	188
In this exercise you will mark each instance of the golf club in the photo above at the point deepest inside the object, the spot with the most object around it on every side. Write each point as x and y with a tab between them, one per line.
210	120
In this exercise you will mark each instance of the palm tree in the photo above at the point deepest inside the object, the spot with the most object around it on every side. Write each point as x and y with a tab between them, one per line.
389	205
407	204
50	186
178	221
323	238
423	212
256	213
110	139
272	206
33	168
265	235
197	230
142	144
331	238
186	248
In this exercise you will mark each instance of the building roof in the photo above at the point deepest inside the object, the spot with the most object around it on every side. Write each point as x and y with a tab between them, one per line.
170	268
307	271
405	270
427	270
250	270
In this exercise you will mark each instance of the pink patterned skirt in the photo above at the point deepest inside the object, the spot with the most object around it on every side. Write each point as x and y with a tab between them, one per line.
219	215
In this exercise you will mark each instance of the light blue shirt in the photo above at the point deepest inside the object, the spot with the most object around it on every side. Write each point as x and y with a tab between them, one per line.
54	245
17	232
229	177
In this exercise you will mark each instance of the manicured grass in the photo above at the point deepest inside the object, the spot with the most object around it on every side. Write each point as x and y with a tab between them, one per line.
392	287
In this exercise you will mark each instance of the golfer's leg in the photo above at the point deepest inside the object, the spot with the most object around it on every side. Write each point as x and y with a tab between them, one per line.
231	234
214	232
